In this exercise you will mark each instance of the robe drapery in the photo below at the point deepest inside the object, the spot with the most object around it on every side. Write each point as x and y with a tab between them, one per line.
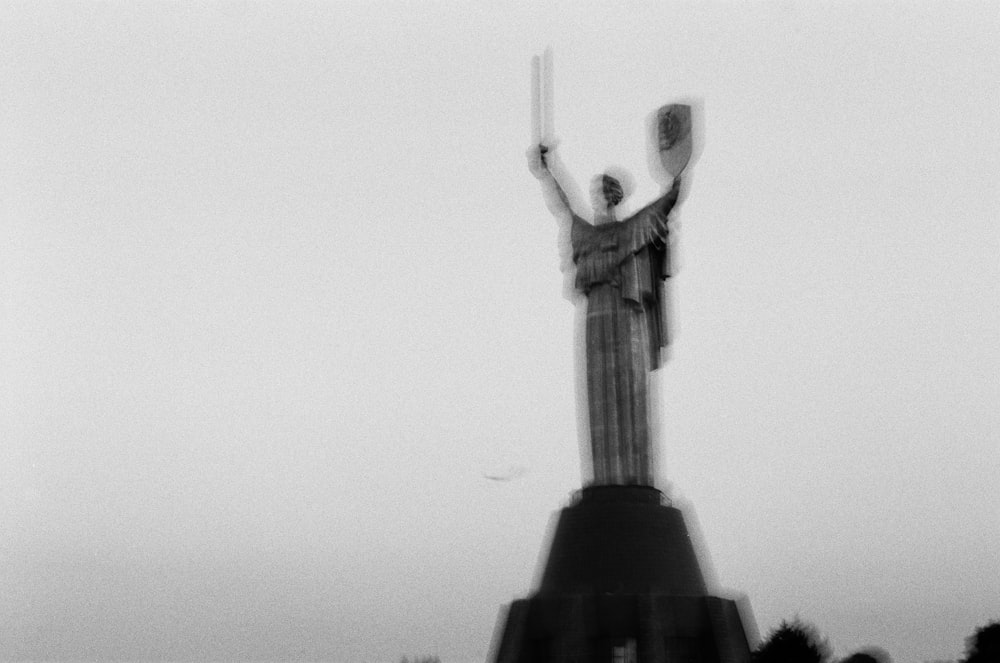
620	267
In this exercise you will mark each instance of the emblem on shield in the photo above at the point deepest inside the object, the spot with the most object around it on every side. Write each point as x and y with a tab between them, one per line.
673	124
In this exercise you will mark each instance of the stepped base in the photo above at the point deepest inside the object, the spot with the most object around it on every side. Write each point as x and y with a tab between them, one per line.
623	628
622	584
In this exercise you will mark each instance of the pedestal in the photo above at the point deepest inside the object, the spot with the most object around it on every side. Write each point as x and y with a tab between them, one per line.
622	584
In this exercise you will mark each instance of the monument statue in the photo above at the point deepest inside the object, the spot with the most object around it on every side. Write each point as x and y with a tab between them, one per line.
620	267
621	581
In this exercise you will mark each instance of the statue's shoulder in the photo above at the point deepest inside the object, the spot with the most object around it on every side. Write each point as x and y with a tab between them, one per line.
581	227
645	227
585	237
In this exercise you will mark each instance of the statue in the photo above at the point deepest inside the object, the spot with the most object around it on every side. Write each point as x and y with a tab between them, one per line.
622	581
620	266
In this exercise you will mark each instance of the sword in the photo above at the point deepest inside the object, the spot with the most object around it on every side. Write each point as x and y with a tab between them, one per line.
542	116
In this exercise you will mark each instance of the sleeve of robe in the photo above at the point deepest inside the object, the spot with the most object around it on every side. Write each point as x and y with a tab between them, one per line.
593	265
645	260
581	237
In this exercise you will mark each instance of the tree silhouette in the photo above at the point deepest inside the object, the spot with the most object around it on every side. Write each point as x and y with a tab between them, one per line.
983	646
793	642
868	655
860	657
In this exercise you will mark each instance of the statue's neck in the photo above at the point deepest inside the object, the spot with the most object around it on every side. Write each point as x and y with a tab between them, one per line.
606	216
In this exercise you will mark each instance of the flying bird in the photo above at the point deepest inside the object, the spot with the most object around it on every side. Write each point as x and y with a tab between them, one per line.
515	472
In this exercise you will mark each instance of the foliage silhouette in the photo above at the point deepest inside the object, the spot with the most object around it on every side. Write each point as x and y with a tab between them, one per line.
983	646
860	657
793	642
868	655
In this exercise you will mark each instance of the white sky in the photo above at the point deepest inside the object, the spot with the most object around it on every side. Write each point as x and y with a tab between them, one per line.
278	290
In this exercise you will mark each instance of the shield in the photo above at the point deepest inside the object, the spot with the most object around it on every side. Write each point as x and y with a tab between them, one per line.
673	128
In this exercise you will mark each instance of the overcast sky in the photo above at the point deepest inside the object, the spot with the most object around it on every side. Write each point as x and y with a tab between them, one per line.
278	290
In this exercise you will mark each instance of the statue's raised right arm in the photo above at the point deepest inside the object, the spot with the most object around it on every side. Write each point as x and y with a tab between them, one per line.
539	166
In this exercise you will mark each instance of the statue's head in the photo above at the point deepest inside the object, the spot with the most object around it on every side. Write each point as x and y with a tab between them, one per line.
607	191
611	189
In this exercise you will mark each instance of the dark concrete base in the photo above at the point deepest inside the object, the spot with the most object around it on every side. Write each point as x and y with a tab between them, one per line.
622	584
